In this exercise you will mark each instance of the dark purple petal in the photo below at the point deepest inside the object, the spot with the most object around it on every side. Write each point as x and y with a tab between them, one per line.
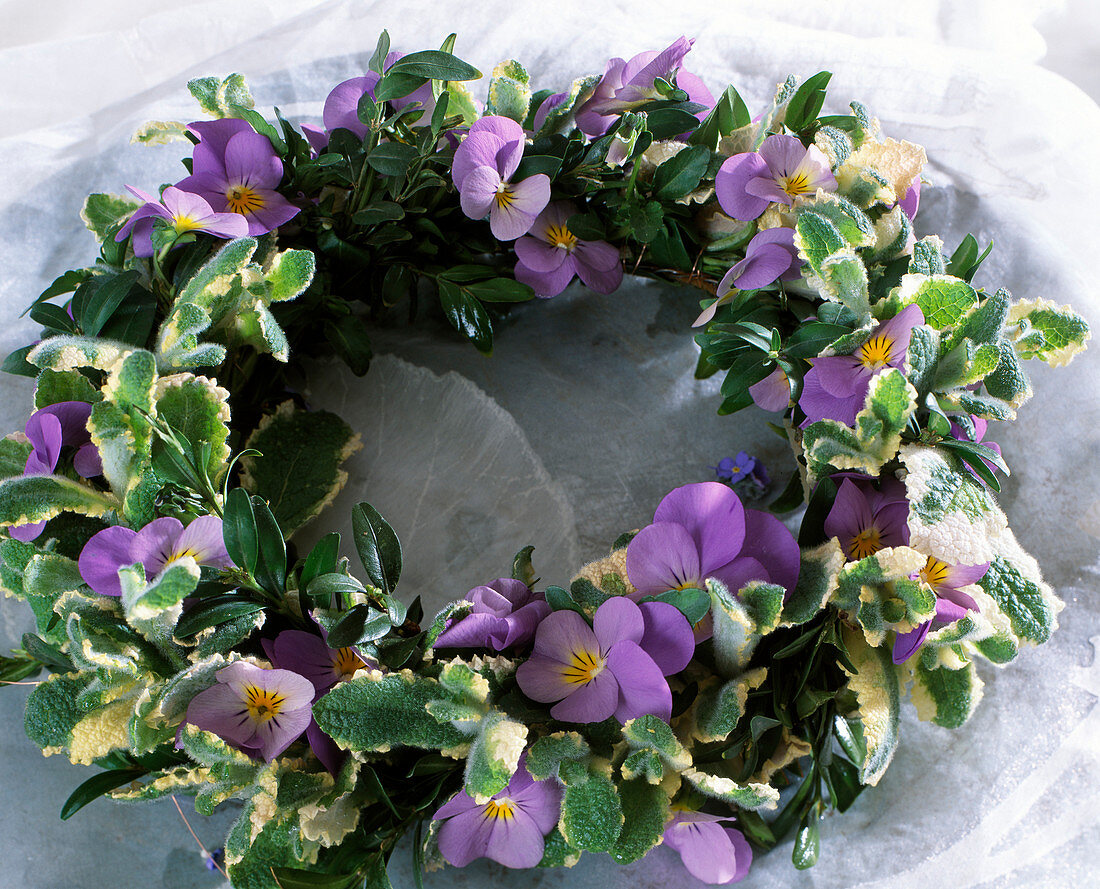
215	134
739	572
818	404
324	748
472	631
906	644
761	268
642	686
73	417
948	612
850	513
548	104
599	256
730	182
102	556
45	435
616	620
276	211
317	137
87	461
892	522
519	626
547	284
465	836
596	113
456	805
911	201
27	533
668	638
541	800
663	556
597	279
713	516
594	701
842	376
898	331
769	542
307	655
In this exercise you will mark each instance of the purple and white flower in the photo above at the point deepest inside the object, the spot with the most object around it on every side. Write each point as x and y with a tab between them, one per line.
783	170
866	519
158	545
836	386
261	711
703	531
626	85
237	171
184	211
770	256
482	171
50	429
550	255
505	614
710	851
952	603
614	667
509	829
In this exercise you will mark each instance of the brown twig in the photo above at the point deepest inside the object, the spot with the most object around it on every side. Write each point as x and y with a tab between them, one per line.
206	852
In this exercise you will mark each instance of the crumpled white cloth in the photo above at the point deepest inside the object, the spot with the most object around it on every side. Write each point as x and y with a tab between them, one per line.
588	413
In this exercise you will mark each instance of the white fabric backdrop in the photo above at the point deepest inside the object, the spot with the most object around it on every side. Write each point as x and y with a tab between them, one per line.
548	442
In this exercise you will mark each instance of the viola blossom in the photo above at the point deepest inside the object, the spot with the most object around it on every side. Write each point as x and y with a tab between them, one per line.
770	256
946	581
615	667
482	170
865	519
158	545
711	852
773	393
509	829
549	104
504	615
702	531
237	171
627	85
550	255
61	425
261	711
783	170
308	655
835	387
184	212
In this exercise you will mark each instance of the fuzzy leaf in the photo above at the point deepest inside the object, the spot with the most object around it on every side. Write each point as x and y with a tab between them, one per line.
591	814
945	697
875	685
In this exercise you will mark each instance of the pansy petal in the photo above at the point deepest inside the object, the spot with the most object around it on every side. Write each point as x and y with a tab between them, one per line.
842	375
563	633
818	404
763	267
911	201
324	748
593	702
769	542
222	710
782	154
87	461
45	435
547	284
773	393
476	150
948	612
765	188
850	513
538	255
906	644
892	522
739	572
668	638
642	686
616	620
226	225
597	279
964	575
250	160
465	836
472	631
203	541
307	655
215	134
515	841
102	556
730	182
276	211
662	556
479	191
539	799
279	732
713	516
898	331
544	679
342	104
155	544
520	625
456	805
27	533
706	850
515	218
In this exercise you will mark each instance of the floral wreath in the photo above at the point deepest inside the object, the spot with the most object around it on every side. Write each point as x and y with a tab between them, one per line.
715	683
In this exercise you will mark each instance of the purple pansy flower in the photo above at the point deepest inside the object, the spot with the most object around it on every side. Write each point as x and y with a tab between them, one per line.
505	614
184	211
260	711
770	256
156	546
952	603
773	393
783	169
615	667
237	170
482	170
703	531
510	828
626	85
550	255
741	467
866	519
308	655
836	386
976	433
50	429
711	852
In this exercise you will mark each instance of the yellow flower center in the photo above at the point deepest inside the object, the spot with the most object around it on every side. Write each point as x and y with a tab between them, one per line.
182	554
795	185
584	667
346	662
864	544
185	224
242	199
504	197
875	353
934	573
560	236
500	808
262	703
